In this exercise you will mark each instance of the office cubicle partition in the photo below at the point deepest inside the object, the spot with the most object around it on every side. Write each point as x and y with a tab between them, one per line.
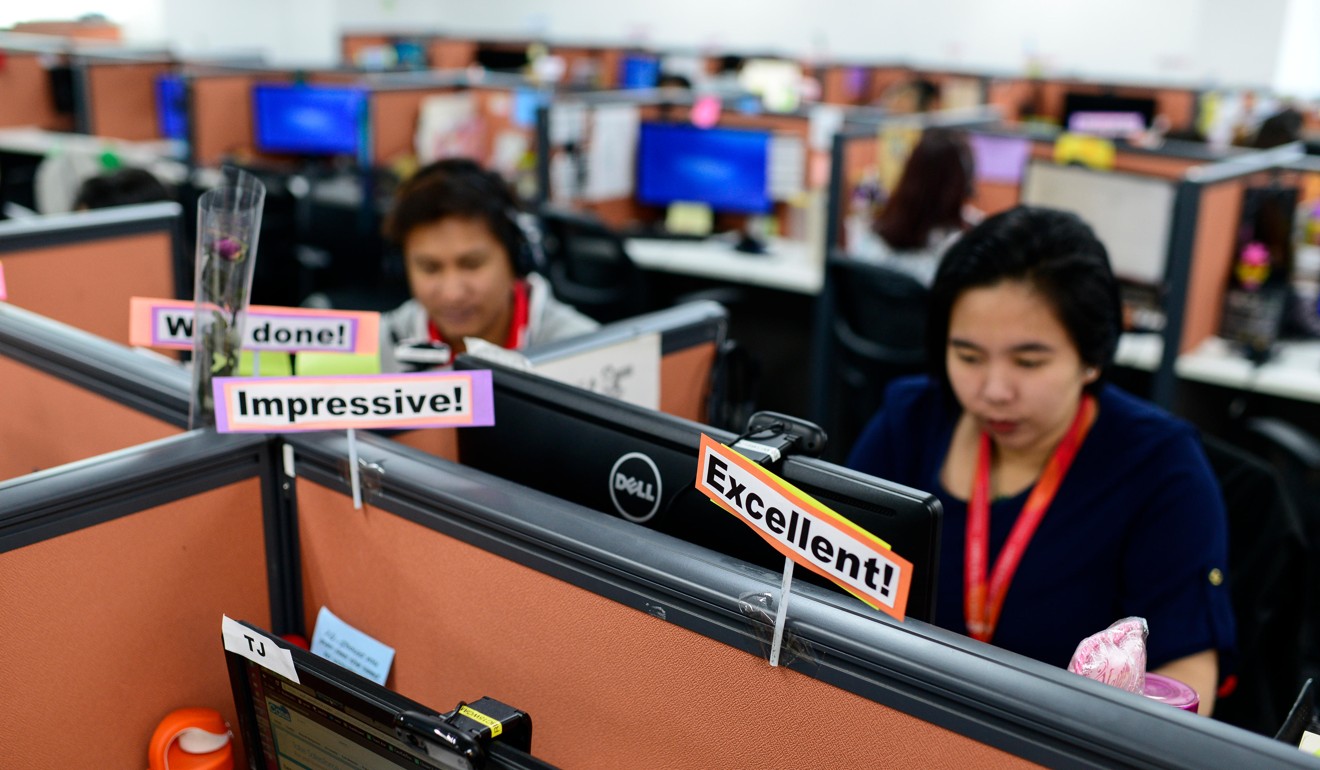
32	74
115	572
82	268
69	395
118	93
693	379
587	621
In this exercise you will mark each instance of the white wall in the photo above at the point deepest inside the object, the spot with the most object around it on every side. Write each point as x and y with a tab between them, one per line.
1231	42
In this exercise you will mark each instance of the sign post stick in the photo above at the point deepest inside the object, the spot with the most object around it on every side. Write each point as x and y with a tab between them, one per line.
354	474
781	612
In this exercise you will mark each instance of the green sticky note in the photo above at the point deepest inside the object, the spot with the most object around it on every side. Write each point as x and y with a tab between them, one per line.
271	363
321	364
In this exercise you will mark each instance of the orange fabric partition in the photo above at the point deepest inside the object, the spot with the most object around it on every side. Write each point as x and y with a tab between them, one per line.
87	285
222	117
123	99
685	381
25	94
607	686
107	629
1212	254
51	422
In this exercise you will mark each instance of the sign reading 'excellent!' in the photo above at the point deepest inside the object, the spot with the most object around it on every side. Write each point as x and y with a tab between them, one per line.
421	400
804	530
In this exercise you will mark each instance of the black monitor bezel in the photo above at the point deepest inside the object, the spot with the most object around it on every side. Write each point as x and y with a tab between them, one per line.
678	434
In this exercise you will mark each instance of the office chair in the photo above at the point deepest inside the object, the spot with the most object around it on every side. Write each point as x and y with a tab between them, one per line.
870	329
589	268
1270	576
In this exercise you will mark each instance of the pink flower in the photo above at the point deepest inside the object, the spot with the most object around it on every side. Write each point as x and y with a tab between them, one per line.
229	249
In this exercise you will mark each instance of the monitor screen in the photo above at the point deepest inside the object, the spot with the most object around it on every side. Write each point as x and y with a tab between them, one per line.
725	168
999	159
171	108
1127	110
307	119
1130	214
503	58
639	72
641	465
330	718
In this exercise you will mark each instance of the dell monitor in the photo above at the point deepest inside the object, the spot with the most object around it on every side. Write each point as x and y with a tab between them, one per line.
309	119
171	107
637	71
335	719
724	168
641	465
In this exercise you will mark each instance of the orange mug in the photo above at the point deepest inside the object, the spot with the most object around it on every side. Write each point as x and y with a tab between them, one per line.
191	739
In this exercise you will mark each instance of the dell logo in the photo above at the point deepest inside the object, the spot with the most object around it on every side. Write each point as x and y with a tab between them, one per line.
635	487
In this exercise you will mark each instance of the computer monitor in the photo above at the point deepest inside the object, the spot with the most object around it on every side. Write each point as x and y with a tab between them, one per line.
60	81
502	58
332	718
639	71
308	119
1107	115
725	168
171	107
1131	214
641	465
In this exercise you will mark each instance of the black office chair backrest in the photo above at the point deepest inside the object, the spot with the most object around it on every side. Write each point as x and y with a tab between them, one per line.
872	329
589	268
1268	572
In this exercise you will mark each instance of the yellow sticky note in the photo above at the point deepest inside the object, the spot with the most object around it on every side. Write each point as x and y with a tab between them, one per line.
689	218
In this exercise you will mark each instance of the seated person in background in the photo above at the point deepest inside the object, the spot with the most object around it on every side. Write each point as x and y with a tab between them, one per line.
928	209
121	187
1283	127
469	266
1024	318
911	96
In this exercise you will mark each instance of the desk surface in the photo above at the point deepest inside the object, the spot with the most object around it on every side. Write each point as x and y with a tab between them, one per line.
1292	372
787	265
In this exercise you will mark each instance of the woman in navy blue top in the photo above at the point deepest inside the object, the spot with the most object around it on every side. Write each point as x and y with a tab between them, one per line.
1068	504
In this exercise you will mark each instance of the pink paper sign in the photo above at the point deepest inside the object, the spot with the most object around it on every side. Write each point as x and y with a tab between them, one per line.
706	112
4	294
289	404
168	323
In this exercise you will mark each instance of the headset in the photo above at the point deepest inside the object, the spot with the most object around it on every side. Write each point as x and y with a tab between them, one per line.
504	215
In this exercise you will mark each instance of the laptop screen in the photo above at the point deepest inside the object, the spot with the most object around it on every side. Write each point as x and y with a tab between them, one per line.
331	719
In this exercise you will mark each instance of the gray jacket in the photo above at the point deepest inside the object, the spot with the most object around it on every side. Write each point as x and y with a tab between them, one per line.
548	320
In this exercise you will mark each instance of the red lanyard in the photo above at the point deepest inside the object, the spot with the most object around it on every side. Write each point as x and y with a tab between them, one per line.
981	607
517	325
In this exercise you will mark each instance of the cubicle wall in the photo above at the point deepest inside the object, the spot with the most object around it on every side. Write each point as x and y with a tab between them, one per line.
82	268
25	92
69	395
114	574
120	97
586	621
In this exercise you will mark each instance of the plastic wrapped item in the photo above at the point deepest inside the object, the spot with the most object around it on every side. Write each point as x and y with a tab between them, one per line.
1115	656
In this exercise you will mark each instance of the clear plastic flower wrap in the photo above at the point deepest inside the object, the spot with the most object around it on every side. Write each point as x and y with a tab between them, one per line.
1115	656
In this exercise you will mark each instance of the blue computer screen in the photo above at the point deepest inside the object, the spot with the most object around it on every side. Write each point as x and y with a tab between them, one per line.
171	115
640	72
308	120
721	167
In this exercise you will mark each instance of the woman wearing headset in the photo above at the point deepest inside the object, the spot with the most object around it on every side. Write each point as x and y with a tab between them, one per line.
469	266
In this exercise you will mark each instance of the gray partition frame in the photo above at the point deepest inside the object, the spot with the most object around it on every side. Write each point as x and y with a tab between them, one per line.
116	221
1021	706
